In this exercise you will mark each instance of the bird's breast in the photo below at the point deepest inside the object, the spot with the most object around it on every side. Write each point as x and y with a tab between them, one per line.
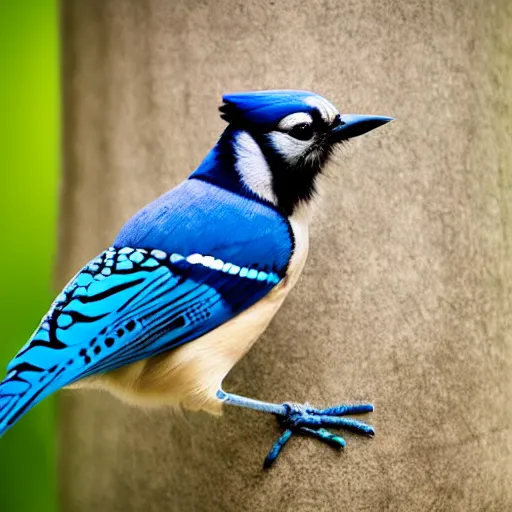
299	223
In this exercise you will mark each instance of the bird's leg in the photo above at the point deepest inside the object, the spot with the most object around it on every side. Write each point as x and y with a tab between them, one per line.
305	420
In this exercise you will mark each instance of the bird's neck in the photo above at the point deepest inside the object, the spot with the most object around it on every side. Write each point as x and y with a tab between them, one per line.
233	164
243	164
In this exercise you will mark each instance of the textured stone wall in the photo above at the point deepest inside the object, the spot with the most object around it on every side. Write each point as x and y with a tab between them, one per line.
406	298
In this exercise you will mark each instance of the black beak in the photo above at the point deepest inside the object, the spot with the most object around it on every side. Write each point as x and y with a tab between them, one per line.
353	125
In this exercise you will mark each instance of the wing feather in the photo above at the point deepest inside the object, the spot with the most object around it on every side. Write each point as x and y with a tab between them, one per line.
126	305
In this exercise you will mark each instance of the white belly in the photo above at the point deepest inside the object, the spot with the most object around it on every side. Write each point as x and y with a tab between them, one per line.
191	374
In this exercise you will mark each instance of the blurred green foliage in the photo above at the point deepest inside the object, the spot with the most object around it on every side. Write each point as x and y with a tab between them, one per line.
29	151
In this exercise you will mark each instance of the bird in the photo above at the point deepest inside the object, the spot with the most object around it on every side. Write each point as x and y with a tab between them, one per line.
193	279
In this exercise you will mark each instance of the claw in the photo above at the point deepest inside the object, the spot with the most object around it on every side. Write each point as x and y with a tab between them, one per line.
355	425
305	420
276	449
325	436
343	410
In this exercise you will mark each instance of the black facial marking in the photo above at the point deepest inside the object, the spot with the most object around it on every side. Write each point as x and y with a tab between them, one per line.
296	182
337	121
292	182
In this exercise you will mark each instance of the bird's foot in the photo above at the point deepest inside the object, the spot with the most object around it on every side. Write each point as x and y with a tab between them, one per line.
306	420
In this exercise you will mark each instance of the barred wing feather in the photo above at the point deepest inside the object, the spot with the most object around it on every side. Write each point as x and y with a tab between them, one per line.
126	305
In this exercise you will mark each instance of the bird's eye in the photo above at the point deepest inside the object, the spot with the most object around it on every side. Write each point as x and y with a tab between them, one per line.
303	131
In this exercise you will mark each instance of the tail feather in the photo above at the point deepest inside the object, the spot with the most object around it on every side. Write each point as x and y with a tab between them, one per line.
24	387
35	372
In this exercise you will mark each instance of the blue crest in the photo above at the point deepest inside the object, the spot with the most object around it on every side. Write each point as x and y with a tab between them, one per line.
264	108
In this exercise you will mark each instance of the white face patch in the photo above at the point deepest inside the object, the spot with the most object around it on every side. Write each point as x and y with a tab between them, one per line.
326	109
292	120
289	147
252	167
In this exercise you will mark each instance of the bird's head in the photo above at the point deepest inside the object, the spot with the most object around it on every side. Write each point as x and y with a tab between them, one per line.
281	141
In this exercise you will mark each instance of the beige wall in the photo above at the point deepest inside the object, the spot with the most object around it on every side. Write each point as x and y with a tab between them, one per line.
406	299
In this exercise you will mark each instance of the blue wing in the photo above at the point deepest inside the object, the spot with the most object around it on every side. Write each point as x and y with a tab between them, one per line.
124	306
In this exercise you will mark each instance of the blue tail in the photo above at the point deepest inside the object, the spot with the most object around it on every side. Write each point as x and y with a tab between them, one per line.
15	398
25	386
32	375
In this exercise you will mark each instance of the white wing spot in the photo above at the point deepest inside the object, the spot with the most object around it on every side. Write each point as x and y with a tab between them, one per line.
252	274
159	255
208	261
217	265
195	258
176	257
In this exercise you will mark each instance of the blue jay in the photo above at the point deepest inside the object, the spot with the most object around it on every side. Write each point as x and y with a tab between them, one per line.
195	277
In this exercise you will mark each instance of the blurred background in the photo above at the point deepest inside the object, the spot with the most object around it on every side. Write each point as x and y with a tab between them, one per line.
414	312
29	141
